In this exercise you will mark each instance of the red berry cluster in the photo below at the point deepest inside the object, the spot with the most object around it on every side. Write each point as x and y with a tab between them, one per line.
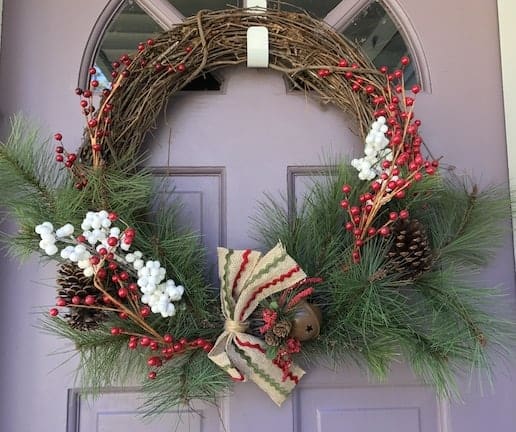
98	122
163	349
408	164
69	161
283	358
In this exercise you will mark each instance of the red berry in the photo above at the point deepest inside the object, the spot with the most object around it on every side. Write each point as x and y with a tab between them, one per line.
349	226
112	216
58	137
400	194
122	292
123	276
141	46
344	204
393	216
112	266
76	300
404	214
59	158
94	83
60	302
369	89
416	89
208	347
188	49
145	341
116	331
355	211
177	347
126	73
145	311
103	251
168	338
343	63
101	273
54	312
181	67
150	42
359	243
132	345
80	239
84	103
90	300
346	188
356	257
115	278
87	93
152	375
78	91
383	69
405	60
96	147
92	71
371	231
122	315
112	241
132	287
114	74
384	231
92	123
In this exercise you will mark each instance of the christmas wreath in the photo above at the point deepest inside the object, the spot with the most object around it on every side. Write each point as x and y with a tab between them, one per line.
374	265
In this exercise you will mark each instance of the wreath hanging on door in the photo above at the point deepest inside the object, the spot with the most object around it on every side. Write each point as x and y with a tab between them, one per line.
372	267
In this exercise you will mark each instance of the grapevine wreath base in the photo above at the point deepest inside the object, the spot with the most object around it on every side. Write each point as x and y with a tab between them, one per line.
372	267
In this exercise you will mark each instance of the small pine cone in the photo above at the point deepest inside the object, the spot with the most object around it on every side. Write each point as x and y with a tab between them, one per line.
271	339
282	328
71	282
410	252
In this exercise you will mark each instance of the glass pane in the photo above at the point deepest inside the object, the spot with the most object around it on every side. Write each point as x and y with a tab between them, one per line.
131	26
316	8
191	7
378	36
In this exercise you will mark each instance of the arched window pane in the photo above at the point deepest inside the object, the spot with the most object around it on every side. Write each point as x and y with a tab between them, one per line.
131	26
317	8
378	36
191	7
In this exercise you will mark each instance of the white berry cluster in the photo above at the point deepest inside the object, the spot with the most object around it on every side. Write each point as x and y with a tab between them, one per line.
97	239
97	228
48	238
158	294
376	151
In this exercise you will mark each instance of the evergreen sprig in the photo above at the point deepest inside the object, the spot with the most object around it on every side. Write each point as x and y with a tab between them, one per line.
439	321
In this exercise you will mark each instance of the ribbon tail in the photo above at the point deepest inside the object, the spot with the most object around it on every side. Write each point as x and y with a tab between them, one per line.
219	356
248	353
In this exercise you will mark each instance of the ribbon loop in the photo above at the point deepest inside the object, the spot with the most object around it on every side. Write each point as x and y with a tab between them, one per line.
246	279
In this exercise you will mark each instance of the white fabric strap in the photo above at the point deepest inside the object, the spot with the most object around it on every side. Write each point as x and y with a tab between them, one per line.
258	47
259	5
257	38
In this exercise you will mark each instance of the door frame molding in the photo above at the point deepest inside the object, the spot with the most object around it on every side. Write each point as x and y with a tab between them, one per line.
507	30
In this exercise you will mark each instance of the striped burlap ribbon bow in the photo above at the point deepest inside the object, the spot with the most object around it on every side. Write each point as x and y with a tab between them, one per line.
246	278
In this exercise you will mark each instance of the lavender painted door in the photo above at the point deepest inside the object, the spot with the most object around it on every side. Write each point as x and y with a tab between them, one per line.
223	150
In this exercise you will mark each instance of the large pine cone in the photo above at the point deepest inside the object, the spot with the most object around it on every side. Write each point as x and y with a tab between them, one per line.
71	282
410	253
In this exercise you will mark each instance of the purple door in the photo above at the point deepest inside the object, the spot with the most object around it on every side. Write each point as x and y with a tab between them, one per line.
222	150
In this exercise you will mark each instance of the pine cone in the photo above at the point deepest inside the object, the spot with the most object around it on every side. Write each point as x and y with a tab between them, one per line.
410	253
282	328
271	339
71	282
